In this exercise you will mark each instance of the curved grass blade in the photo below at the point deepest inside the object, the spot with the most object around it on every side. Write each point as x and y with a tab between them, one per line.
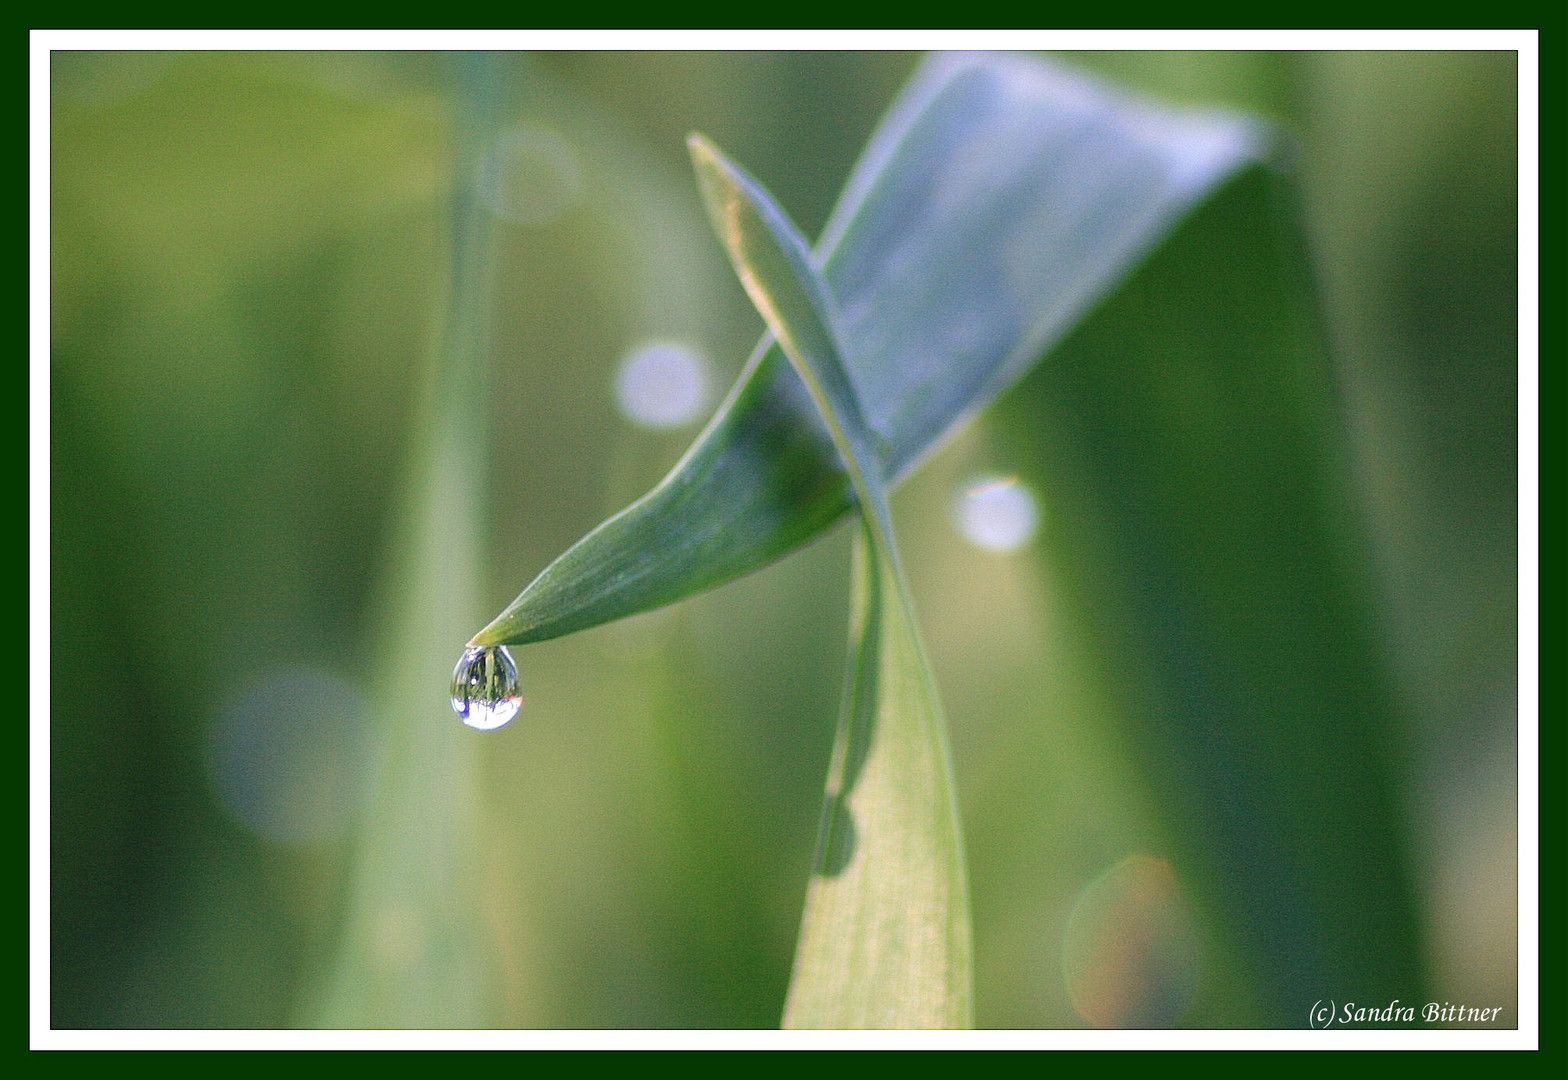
1000	199
885	942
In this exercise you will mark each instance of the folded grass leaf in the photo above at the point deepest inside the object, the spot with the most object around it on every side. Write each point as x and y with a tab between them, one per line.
999	200
1000	203
885	942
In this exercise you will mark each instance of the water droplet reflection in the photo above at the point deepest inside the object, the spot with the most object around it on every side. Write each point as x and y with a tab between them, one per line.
996	514
530	175
663	384
1130	956
484	688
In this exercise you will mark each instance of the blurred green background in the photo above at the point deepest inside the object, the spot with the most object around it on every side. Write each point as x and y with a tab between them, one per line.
250	259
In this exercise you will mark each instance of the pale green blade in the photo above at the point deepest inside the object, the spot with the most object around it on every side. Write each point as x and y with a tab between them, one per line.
414	951
998	202
886	939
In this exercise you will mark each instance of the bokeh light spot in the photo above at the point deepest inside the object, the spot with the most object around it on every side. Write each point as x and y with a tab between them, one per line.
286	757
530	176
1130	955
662	384
996	514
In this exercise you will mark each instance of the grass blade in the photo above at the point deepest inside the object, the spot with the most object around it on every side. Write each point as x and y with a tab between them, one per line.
1188	441
413	951
886	940
998	202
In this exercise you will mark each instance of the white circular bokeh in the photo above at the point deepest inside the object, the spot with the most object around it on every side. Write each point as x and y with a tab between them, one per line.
996	514
662	384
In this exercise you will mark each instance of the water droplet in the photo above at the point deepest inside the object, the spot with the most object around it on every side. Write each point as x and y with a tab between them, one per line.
663	384
484	688
997	514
